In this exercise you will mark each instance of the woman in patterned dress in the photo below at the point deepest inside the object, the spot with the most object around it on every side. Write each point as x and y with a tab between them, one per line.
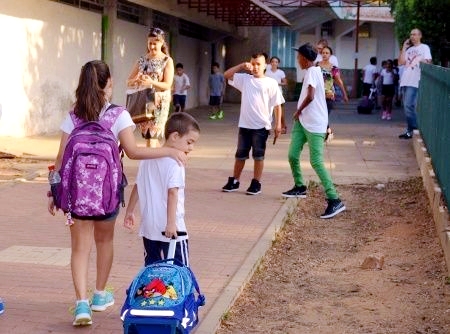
331	76
155	69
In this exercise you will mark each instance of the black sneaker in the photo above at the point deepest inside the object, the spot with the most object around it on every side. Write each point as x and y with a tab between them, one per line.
255	188
296	191
232	185
406	135
334	207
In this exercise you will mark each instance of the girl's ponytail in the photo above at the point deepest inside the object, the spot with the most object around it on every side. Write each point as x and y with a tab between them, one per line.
90	95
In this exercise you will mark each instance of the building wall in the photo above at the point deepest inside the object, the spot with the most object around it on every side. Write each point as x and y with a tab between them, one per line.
44	46
381	43
240	50
47	48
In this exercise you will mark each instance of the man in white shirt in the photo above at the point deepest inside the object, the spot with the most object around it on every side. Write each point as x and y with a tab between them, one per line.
412	54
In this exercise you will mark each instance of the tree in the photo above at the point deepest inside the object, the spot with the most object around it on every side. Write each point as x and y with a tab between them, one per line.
432	17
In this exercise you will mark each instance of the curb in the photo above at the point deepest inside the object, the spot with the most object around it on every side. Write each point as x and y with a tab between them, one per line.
435	196
211	322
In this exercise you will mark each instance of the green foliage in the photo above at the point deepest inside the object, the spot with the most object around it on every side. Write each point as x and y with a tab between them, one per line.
432	17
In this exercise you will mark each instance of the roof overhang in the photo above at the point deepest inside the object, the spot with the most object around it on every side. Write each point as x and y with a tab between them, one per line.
238	12
369	10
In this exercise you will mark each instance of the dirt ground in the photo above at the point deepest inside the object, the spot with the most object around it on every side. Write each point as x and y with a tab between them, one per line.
312	280
12	168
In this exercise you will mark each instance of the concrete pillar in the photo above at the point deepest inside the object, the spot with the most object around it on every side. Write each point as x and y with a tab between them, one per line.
108	22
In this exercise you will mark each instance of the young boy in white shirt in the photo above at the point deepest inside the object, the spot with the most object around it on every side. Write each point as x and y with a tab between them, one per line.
260	97
159	187
181	84
310	126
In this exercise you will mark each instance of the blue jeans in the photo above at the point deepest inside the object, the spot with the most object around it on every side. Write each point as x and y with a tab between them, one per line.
409	104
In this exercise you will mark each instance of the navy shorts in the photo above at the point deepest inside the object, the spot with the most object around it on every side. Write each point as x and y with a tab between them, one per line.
214	100
179	99
388	90
157	250
254	139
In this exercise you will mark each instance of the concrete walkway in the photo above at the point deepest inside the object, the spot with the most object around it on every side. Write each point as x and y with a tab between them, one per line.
229	232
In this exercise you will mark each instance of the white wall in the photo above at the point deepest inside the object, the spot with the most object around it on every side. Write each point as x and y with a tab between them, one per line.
195	55
130	42
48	43
44	47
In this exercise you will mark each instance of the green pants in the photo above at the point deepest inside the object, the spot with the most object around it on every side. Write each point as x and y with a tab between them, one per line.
300	136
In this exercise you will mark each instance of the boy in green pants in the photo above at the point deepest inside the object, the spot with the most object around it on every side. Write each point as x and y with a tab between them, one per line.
310	126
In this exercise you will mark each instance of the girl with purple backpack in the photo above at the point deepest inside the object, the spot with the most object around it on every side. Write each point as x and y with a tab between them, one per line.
92	105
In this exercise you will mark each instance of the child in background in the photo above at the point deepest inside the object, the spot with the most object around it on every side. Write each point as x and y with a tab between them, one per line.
159	187
181	84
216	89
387	89
275	73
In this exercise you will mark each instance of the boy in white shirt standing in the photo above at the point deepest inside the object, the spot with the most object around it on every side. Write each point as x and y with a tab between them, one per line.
260	96
310	126
181	84
159	188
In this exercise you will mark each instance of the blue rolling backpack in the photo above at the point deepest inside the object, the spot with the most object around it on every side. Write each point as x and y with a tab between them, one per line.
163	298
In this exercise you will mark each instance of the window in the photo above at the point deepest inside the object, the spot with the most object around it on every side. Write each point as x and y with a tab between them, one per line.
131	12
92	5
282	42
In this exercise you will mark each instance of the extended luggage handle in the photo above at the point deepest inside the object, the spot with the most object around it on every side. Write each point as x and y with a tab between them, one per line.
173	244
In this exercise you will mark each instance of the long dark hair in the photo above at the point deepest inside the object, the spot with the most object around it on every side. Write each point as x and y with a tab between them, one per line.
90	95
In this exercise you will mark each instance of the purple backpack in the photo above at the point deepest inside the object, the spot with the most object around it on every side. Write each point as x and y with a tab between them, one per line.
92	179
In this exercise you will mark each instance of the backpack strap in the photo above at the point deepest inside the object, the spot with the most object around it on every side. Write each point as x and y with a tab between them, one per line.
109	116
201	300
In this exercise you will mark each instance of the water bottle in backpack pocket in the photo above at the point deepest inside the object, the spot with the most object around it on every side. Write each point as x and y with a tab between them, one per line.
54	179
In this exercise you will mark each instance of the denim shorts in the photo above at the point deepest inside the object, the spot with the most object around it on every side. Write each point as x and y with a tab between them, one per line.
179	99
254	139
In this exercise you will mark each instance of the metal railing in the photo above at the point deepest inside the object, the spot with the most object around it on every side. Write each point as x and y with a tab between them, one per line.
433	112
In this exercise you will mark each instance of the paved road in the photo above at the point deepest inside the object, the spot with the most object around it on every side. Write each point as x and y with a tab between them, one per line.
229	231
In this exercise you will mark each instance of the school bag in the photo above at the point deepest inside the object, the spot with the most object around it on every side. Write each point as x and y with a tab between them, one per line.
367	103
163	298
92	180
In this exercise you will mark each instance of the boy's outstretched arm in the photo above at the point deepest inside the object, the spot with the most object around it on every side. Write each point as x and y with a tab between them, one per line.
172	202
129	220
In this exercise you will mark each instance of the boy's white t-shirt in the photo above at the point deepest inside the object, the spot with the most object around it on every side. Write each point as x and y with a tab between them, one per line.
180	81
154	179
411	71
123	121
259	96
369	71
314	117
